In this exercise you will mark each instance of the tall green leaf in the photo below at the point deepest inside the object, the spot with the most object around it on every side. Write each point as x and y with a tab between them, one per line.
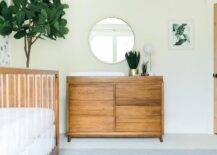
63	22
14	9
20	34
20	17
57	26
3	4
44	13
16	2
5	28
6	13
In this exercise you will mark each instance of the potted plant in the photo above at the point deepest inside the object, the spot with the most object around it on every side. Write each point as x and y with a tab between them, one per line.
133	58
33	20
145	69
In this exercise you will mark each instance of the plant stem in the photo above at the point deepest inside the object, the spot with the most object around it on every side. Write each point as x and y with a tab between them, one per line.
36	38
28	42
27	48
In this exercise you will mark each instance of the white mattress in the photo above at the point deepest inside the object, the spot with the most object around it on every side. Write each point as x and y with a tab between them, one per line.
43	144
19	127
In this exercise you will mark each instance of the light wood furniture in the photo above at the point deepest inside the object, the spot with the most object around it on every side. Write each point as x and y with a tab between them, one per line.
215	68
115	107
31	88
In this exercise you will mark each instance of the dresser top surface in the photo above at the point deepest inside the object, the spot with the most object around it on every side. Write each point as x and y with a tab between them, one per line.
114	79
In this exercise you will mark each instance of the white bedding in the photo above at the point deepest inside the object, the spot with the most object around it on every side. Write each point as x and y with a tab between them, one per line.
43	144
19	127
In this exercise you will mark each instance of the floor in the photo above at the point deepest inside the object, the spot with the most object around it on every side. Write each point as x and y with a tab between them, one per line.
172	145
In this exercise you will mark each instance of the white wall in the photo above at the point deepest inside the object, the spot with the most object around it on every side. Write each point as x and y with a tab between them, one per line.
188	74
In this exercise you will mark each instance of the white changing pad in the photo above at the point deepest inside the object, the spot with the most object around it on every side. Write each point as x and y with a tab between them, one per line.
20	126
97	74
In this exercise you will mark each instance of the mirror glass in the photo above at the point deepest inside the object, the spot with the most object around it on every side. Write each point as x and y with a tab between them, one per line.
110	39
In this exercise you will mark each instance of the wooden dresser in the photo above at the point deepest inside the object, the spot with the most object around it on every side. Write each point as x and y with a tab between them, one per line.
115	107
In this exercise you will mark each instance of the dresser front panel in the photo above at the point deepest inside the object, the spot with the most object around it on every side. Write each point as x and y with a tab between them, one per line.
138	94
95	108
142	124
115	106
91	92
138	118
135	111
91	108
80	123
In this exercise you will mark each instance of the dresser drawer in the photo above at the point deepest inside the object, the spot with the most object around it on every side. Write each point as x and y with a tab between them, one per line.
91	92
104	108
138	118
138	111
130	124
141	95
91	124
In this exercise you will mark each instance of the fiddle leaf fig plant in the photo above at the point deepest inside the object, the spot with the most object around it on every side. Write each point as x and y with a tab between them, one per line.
31	20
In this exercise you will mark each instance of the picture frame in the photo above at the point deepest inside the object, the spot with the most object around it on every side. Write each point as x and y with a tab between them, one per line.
5	54
181	35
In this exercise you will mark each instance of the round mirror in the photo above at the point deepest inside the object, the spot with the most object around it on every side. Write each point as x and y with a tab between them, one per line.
110	39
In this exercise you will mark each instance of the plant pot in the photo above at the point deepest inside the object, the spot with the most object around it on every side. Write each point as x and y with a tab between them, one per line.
133	72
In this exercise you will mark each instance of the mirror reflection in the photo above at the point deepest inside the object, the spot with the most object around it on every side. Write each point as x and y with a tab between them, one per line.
110	39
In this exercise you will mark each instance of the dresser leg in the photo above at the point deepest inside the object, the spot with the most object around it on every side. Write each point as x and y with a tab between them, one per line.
69	139
161	139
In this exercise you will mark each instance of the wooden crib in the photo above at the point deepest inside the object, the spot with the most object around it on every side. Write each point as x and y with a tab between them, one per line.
27	88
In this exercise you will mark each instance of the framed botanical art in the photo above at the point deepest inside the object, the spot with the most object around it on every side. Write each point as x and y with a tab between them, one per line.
181	35
5	56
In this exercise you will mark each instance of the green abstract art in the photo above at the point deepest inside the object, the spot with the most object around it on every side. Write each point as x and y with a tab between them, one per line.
181	35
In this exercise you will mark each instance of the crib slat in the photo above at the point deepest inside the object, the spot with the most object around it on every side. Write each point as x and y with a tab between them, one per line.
38	90
11	93
4	96
30	90
44	91
22	91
